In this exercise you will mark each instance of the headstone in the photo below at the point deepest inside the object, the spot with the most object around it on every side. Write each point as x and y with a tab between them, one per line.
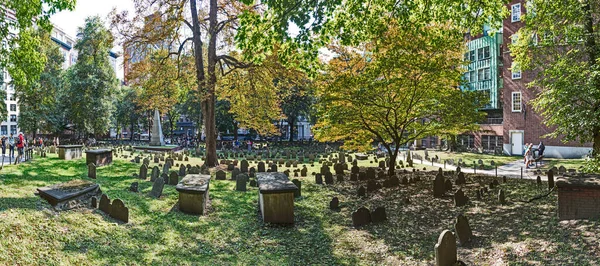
459	198
378	215
182	170
439	186
361	217
234	173
173	178
371	186
94	202
460	180
550	179
501	197
220	175
463	230
448	185
304	171
240	182
165	177
328	178
538	180
155	174
445	249
104	204
244	166
143	172
318	179
92	171
297	192
274	167
355	169
370	173
261	167
334	203
157	188
119	211
134	187
361	191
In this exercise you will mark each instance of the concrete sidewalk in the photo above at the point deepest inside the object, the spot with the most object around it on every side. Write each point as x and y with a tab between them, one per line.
514	169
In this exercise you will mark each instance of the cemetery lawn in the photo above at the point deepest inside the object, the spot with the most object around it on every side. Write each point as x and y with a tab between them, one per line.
231	233
469	158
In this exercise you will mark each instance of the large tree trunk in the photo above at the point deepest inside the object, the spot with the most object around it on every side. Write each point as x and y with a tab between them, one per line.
596	146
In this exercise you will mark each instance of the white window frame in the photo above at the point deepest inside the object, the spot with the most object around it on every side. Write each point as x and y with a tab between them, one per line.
514	14
516	74
512	102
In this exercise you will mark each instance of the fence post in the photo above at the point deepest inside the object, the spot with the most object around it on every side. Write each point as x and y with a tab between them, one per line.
496	170
521	172
444	164
474	168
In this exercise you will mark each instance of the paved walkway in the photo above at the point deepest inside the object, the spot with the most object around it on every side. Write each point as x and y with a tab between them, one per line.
512	170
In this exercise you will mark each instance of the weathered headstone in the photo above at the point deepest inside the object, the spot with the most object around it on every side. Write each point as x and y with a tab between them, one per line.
318	179
378	215
501	197
261	167
104	203
143	172
134	187
235	173
119	211
304	171
155	174
182	171
220	175
371	173
298	192
463	230
173	178
240	182
244	166
550	179
361	217
328	178
94	202
459	198
448	185
92	171
445	249
460	179
371	186
157	188
334	203
438	186
361	191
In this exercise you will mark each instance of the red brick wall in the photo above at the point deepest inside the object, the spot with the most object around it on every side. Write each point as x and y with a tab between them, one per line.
578	203
528	120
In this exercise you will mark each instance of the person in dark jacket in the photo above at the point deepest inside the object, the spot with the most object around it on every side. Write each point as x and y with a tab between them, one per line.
541	149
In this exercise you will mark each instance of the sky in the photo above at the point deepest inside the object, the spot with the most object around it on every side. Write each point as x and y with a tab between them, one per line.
69	21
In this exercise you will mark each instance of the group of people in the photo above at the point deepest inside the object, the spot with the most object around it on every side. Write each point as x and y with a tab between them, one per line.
529	157
11	142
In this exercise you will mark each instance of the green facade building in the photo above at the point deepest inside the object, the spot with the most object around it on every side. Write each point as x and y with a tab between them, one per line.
484	65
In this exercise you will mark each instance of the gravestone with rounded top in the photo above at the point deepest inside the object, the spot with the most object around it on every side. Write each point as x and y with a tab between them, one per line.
445	249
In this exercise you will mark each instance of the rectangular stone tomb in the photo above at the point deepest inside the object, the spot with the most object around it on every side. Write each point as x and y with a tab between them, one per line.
578	196
70	152
276	197
100	157
193	193
69	195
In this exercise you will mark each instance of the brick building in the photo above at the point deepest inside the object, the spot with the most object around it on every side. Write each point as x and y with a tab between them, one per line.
521	124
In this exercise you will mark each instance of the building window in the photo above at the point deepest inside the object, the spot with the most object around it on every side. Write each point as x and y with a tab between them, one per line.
472	56
13	118
4	130
13	129
483	74
13	107
467	77
473	77
11	96
516	102
483	53
515	14
516	74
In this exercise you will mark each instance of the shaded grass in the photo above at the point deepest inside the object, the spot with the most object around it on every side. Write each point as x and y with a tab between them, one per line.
231	233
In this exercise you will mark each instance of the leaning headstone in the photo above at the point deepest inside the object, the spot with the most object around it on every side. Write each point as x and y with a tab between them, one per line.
361	217
119	211
220	175
297	192
378	215
334	203
463	230
445	249
92	171
157	188
94	202
143	172
318	179
550	179
459	198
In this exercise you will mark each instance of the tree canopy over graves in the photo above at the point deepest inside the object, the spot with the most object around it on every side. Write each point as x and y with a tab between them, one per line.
402	87
564	57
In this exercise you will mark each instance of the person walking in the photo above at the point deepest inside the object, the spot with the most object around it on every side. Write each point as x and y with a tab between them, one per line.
3	146
11	148
528	155
20	145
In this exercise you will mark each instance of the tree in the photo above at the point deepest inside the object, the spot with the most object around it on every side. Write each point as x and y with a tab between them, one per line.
92	80
126	111
561	46
296	103
402	87
37	98
20	17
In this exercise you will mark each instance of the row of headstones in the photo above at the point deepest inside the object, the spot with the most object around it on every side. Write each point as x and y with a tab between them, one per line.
116	209
363	216
441	186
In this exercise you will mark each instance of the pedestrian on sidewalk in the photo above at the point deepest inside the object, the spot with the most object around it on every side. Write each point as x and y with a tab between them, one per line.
20	145
11	148
529	155
3	146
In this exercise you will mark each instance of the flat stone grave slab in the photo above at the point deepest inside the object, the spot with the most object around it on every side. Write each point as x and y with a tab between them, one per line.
166	148
100	157
70	194
70	152
276	197
193	193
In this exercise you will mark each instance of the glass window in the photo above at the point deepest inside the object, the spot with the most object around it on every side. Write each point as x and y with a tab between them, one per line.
483	74
473	77
516	102
515	14
516	74
13	107
4	130
483	53
11	96
472	56
13	129
13	118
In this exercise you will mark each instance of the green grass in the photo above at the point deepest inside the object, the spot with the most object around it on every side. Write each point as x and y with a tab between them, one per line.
231	233
469	158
